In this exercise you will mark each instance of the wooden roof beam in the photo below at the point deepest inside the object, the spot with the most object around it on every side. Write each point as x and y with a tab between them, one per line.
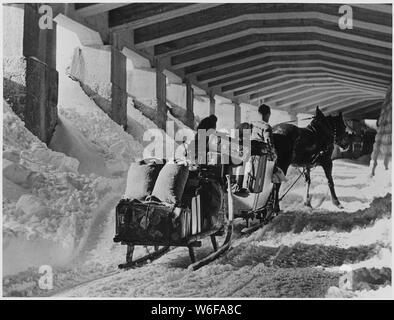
242	65
314	68
244	87
262	56
175	29
375	7
271	83
186	60
360	107
201	43
357	107
230	38
294	83
371	113
166	15
301	89
336	104
219	51
310	96
326	103
97	8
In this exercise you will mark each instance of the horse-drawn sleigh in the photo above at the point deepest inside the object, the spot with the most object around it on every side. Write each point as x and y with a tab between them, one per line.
206	205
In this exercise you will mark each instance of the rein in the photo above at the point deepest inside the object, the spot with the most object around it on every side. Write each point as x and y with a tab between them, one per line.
314	129
292	185
296	120
315	158
309	127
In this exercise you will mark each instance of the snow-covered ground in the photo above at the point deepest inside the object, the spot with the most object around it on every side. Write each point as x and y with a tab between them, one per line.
52	195
301	253
58	210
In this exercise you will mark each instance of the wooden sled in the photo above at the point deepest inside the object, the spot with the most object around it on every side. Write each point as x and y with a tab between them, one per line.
191	242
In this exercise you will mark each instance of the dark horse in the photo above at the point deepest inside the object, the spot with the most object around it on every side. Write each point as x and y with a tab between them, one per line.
310	146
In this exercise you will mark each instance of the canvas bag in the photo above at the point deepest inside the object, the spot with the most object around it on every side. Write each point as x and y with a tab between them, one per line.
170	183
141	179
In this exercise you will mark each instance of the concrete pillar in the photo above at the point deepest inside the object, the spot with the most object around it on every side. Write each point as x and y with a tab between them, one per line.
30	76
212	104
161	96
237	114
100	69
189	105
118	111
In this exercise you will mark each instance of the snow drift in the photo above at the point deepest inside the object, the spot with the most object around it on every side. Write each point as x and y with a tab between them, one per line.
50	198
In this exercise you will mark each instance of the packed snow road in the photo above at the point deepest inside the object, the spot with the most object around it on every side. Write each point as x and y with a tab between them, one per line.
58	209
302	253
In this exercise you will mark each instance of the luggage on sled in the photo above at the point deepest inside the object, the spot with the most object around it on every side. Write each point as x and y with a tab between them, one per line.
159	223
182	208
161	215
156	223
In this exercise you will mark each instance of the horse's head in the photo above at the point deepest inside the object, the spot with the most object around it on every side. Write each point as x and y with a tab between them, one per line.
341	137
334	127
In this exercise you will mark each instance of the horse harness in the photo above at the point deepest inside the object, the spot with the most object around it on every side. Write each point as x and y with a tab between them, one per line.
315	158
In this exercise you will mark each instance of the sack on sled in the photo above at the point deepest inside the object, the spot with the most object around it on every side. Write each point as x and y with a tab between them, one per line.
177	208
170	183
141	179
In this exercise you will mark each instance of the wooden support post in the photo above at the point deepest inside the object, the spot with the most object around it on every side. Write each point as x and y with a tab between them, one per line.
212	104
119	82
237	114
189	104
161	96
30	76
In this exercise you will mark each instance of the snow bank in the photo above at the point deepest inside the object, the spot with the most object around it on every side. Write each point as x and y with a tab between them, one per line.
53	196
68	140
363	283
378	233
382	293
107	140
139	125
48	205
